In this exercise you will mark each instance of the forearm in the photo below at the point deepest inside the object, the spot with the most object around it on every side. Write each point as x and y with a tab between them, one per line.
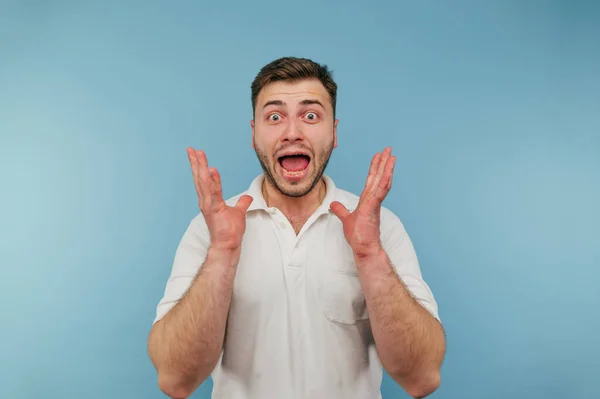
186	344
410	342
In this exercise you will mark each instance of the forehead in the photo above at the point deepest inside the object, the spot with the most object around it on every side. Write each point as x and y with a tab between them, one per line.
294	92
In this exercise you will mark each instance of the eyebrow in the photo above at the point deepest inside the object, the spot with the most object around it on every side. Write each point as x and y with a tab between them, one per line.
273	102
312	102
303	102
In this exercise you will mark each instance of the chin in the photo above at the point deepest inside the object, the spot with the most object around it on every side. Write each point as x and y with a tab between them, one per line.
295	191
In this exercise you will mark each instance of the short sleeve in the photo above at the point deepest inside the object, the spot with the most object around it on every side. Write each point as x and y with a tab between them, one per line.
400	250
189	257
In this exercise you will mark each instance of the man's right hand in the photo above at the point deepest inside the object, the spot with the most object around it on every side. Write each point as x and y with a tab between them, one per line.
185	345
226	224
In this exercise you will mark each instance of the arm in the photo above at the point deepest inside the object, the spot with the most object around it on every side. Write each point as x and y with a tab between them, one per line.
187	337
410	341
186	344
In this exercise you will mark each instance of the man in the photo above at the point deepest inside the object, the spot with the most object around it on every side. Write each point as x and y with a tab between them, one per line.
295	288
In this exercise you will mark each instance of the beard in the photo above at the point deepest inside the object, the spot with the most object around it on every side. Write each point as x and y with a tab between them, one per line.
297	189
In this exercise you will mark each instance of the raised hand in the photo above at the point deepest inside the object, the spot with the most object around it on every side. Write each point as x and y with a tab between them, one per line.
361	227
226	224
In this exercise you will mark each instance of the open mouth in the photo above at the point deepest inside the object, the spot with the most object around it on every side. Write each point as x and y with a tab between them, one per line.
294	164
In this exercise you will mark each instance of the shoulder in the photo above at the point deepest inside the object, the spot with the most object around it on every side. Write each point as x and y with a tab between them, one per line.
197	228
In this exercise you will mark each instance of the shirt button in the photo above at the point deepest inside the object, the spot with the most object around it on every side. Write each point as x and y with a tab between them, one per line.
282	225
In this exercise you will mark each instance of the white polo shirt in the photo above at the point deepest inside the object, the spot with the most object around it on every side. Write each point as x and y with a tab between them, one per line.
298	325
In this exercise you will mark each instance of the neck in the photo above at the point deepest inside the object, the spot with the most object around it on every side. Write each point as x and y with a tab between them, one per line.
294	207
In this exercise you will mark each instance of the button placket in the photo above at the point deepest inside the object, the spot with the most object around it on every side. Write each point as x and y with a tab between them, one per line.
284	233
298	255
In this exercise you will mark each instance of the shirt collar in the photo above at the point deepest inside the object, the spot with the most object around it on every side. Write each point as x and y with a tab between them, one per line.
332	194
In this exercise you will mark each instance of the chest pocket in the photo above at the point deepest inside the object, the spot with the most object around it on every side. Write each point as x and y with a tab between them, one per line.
338	287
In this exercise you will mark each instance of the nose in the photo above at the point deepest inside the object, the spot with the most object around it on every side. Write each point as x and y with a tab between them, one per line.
293	132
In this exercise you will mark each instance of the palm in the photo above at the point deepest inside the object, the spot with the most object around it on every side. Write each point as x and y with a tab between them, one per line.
227	226
225	223
361	227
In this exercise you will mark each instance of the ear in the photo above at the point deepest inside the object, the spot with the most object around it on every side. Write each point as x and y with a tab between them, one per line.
252	126
335	123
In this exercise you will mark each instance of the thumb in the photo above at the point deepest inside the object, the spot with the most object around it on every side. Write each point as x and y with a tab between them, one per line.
244	202
339	210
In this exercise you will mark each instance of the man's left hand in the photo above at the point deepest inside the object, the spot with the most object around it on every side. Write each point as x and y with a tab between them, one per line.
361	227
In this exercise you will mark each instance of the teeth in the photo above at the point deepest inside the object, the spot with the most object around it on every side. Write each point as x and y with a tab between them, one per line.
298	173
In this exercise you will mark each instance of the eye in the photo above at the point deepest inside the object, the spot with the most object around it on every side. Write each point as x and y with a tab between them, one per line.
311	116
274	117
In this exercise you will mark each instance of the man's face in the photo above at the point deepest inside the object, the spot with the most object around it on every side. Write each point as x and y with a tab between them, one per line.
293	134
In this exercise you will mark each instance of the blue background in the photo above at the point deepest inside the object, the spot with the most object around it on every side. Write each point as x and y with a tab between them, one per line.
492	108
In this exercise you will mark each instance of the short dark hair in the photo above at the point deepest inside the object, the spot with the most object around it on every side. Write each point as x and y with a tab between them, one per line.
294	69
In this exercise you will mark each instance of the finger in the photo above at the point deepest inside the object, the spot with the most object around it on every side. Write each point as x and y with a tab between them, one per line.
381	169
194	165
370	177
204	180
216	190
386	181
339	210
372	170
244	203
391	173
